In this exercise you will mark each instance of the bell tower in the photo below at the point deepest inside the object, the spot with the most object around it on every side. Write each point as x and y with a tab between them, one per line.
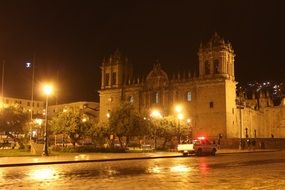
115	71
216	59
216	89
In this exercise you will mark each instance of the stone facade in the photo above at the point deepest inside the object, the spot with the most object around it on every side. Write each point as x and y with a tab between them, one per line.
209	100
38	107
89	108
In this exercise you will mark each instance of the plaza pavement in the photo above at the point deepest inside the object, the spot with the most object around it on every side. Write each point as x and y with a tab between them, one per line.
101	157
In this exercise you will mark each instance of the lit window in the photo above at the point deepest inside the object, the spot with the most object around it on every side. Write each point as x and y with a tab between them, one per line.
189	96
157	97
131	99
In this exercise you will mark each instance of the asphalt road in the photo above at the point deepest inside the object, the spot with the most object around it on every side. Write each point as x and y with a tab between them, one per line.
263	170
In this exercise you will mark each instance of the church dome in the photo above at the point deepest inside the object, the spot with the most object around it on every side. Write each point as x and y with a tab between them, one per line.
157	78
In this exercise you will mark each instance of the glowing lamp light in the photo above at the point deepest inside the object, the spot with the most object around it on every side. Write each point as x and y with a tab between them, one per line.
178	108
180	116
156	114
47	89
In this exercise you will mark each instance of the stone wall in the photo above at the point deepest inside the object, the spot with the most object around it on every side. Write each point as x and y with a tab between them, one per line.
269	143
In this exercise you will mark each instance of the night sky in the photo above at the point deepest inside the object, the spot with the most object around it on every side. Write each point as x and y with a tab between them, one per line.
69	39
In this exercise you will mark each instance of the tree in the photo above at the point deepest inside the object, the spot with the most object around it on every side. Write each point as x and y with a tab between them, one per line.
164	128
13	121
128	123
167	129
72	122
99	133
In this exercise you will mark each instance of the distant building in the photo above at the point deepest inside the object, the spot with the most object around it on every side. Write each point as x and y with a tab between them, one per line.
90	108
38	107
209	99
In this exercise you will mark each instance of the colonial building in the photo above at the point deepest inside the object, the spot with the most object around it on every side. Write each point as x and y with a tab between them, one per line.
89	108
209	99
38	107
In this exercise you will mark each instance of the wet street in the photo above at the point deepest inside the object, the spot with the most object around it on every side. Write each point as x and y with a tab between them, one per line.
224	171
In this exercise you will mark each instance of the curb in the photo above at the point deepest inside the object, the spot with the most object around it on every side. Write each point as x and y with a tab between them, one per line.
85	161
252	151
116	159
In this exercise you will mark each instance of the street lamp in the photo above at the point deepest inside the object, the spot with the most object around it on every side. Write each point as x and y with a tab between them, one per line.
180	116
47	90
156	115
190	128
240	106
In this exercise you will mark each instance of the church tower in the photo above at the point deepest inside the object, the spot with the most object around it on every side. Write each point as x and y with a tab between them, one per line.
216	89
216	59
116	72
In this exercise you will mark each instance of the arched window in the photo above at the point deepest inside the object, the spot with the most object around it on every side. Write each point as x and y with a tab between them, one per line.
131	99
107	77
207	67
216	66
189	96
114	78
157	97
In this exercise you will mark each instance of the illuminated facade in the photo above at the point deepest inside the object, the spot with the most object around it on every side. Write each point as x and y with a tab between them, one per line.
90	108
209	99
38	107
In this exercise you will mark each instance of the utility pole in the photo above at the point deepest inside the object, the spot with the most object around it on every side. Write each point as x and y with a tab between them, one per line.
240	106
3	76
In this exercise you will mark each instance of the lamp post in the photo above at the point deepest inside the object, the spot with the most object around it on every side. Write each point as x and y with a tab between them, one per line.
180	116
47	89
190	128
156	115
240	106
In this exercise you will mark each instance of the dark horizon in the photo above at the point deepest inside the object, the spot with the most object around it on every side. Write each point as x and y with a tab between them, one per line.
69	40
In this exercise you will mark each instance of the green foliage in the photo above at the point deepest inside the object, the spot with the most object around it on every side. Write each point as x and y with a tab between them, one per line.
72	122
82	149
165	128
128	123
99	133
13	121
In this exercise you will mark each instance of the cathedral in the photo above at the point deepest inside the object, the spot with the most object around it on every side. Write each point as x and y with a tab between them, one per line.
209	100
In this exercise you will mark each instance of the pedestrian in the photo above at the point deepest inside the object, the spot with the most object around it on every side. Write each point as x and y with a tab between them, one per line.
262	145
248	144
253	144
242	144
219	141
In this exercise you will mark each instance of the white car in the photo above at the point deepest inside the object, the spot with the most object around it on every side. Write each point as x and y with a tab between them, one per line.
198	147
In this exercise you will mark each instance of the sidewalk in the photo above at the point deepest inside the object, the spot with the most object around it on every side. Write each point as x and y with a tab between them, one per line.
100	157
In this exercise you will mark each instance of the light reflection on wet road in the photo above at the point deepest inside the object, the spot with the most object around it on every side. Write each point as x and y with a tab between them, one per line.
232	171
